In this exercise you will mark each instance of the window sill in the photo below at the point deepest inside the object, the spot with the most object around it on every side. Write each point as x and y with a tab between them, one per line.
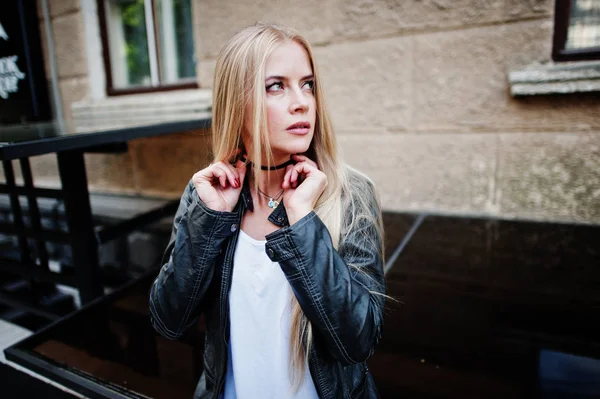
556	78
140	109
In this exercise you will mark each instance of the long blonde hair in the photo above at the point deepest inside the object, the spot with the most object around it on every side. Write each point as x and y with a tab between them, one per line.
240	81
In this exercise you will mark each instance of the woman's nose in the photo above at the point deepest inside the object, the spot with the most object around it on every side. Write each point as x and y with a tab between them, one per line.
299	103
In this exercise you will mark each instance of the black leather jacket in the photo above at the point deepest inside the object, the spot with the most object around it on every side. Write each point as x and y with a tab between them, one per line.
346	318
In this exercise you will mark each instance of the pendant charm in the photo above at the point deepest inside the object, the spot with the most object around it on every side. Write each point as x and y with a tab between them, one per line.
272	203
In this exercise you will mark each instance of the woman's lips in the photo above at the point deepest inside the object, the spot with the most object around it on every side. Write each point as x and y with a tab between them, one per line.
299	128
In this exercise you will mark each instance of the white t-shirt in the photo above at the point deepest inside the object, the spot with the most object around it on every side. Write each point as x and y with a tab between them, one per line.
260	315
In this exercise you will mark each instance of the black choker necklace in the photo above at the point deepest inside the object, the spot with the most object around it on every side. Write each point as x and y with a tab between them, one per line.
262	167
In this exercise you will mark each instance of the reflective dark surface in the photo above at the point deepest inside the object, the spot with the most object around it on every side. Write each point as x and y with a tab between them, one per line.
485	309
488	308
33	131
21	141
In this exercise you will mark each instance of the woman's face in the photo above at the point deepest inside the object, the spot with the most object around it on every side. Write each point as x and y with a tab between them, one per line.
290	101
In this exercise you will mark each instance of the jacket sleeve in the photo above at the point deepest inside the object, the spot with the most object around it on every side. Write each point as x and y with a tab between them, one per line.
340	291
188	264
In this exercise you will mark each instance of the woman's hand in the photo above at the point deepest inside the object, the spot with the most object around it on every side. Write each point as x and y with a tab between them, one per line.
220	184
303	183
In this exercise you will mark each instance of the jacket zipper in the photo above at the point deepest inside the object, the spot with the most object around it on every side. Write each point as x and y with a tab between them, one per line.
313	368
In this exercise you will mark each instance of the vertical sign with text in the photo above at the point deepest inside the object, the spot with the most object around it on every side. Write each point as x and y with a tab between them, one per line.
23	86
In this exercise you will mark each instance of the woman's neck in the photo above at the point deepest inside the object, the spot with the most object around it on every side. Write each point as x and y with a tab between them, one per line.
269	181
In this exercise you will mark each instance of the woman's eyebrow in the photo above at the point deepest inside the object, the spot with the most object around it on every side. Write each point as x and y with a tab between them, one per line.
279	77
276	77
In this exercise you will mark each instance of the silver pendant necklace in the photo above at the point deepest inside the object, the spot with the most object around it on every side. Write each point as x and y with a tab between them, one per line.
273	201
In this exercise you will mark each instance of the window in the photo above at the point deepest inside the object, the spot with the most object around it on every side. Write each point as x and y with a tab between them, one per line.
147	45
576	30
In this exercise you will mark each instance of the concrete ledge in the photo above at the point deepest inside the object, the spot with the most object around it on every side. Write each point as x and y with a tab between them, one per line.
140	109
563	78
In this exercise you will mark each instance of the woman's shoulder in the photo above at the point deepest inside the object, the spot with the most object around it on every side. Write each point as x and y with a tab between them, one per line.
359	192
358	183
360	204
188	191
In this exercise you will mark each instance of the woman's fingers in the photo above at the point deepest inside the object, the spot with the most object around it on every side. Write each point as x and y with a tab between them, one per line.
228	174
233	172
286	178
221	174
303	168
285	182
240	167
304	158
298	172
225	173
218	174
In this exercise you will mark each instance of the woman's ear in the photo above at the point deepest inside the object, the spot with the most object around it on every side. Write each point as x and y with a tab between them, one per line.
239	152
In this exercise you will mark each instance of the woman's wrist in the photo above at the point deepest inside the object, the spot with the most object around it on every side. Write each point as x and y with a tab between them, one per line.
296	214
212	209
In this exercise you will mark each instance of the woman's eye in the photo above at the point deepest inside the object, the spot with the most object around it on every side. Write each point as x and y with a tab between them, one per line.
276	86
309	84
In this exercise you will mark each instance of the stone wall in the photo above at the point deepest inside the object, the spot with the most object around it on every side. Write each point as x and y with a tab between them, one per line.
158	167
420	99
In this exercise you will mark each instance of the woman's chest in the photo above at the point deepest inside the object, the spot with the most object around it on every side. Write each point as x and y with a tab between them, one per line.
256	224
253	273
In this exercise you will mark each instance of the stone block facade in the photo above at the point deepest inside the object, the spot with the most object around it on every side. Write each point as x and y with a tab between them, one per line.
420	99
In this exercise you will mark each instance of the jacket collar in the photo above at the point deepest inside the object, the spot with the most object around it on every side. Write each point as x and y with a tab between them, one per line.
278	217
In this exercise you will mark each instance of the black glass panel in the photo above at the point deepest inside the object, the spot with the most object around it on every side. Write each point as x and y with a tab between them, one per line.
396	226
485	309
492	309
115	345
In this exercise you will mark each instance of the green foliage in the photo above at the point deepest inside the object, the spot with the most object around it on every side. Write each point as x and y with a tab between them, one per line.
136	43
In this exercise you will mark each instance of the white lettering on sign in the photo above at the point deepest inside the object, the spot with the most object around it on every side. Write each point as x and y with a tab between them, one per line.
9	75
3	34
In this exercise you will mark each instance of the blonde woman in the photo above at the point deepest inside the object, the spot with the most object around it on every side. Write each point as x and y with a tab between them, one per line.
277	242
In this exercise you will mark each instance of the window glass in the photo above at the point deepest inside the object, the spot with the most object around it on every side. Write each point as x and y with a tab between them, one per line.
151	43
584	25
130	62
175	40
